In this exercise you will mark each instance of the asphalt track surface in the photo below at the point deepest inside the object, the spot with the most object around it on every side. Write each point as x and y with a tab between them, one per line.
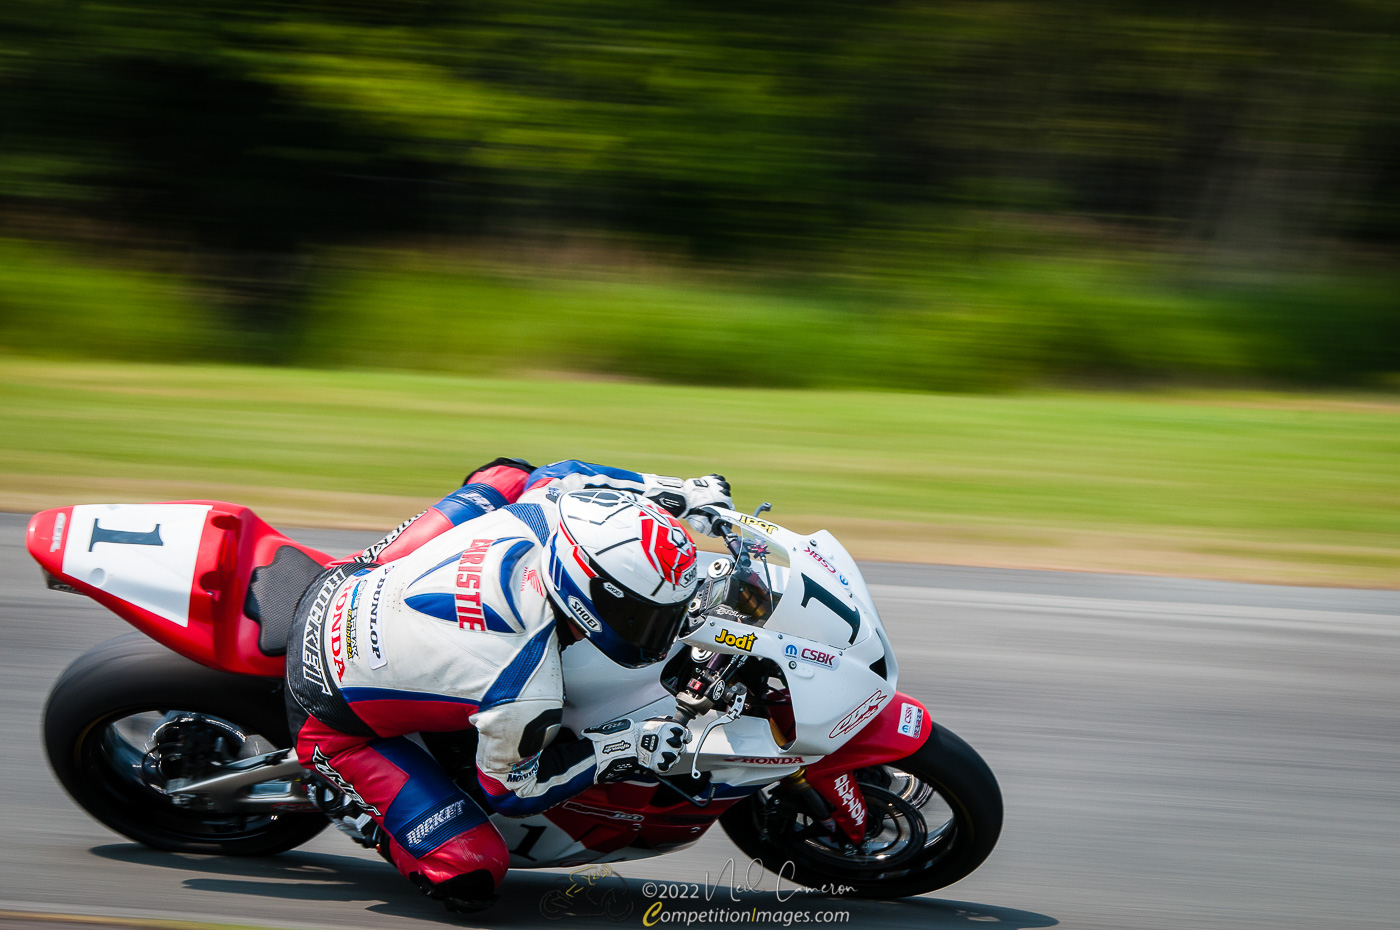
1173	754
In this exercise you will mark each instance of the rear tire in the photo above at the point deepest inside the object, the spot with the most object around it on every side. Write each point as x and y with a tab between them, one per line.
133	675
933	855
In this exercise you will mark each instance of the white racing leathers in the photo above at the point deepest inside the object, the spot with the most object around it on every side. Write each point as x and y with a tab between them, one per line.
456	633
460	633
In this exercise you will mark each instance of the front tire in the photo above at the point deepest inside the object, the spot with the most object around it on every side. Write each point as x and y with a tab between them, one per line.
92	724
933	818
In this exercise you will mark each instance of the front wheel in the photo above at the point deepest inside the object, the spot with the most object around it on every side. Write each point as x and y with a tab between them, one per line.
129	721
932	818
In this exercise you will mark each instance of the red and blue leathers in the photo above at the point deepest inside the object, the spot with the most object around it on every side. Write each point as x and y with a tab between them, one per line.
445	625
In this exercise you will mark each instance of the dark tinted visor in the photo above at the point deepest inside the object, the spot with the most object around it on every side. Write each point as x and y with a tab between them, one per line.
650	627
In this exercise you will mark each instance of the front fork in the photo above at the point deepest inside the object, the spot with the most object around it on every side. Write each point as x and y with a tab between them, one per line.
834	801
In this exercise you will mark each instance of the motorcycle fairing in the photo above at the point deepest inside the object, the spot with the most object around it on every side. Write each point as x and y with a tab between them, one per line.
177	571
897	731
611	823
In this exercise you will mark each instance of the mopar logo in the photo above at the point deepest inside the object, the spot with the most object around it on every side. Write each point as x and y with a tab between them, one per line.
790	650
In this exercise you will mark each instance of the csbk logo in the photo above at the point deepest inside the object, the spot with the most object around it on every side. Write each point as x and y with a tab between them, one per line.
911	720
822	561
726	638
814	656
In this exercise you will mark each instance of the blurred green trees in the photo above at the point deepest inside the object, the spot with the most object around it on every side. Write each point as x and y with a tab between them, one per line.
1236	160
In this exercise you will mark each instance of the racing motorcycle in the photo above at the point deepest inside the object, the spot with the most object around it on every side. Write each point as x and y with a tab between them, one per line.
803	748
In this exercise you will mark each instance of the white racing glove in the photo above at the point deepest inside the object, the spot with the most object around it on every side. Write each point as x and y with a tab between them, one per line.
711	490
686	498
623	747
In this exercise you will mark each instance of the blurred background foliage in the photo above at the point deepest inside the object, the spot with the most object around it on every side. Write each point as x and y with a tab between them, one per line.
968	194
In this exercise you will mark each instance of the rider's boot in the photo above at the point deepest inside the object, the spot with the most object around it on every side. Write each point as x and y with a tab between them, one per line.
474	891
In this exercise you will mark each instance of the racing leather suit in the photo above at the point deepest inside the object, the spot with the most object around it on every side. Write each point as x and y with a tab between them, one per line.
441	626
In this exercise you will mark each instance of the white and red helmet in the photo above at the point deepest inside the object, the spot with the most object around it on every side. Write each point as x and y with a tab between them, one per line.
624	570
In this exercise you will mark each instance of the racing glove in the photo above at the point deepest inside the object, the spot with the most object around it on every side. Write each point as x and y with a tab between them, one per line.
622	748
688	498
702	493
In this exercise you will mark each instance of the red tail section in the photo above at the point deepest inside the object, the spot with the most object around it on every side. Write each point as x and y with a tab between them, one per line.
176	571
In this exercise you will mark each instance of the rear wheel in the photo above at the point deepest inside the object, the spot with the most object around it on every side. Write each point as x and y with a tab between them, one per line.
931	819
129	722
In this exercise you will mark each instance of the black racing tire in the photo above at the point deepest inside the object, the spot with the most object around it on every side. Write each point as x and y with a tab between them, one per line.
132	675
945	763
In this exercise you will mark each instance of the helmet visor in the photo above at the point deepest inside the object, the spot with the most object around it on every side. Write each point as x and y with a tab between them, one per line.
648	629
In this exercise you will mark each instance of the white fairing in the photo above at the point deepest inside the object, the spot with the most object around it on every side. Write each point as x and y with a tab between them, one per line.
825	634
142	553
825	654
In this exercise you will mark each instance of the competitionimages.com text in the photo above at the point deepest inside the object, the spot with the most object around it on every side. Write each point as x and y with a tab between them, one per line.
658	914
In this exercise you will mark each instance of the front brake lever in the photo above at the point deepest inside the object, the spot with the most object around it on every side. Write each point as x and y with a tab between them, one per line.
736	708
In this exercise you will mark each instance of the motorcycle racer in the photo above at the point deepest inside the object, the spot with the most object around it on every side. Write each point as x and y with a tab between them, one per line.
456	620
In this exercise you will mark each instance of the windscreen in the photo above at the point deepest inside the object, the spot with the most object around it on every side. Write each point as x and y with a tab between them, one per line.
751	586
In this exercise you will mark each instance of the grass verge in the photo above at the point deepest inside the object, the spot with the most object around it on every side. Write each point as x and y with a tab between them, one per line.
1301	489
